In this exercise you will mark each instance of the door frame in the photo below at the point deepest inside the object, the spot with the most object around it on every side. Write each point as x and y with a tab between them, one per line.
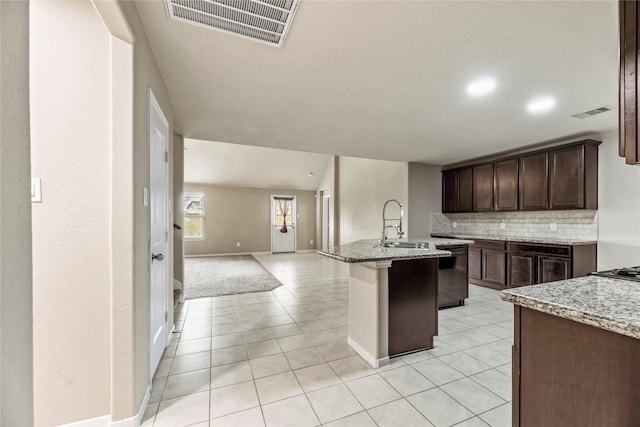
154	106
325	227
294	219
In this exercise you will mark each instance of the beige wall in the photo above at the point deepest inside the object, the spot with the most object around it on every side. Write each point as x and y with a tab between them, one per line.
90	147
16	334
364	186
425	197
618	208
327	187
71	271
243	215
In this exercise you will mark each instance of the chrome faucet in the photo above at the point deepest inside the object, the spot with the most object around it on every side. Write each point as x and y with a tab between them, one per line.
397	227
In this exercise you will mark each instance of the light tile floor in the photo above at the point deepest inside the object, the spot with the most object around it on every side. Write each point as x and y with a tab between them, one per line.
280	358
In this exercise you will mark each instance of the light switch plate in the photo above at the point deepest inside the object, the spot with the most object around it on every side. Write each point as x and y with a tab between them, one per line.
145	196
36	190
554	226
503	226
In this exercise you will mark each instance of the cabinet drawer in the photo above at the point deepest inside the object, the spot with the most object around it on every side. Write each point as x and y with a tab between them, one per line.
489	244
531	248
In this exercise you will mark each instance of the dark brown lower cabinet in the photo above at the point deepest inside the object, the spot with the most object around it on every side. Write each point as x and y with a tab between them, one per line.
568	374
487	263
551	269
413	305
528	264
475	263
493	267
521	270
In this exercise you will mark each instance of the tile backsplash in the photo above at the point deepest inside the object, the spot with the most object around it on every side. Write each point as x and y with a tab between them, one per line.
549	224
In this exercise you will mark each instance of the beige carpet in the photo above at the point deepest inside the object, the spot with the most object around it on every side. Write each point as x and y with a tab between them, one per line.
225	275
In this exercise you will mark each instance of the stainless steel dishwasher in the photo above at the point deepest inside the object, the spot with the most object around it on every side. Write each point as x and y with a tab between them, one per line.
453	276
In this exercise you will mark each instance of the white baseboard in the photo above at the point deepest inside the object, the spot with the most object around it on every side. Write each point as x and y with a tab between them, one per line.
105	421
371	360
173	329
91	422
214	255
246	253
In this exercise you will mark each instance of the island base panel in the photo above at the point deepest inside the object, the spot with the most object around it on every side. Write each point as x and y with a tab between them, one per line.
413	306
568	374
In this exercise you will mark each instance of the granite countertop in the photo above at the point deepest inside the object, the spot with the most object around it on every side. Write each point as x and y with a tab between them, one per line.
542	240
368	250
609	304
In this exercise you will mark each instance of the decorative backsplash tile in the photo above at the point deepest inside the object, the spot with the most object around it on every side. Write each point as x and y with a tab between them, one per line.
567	224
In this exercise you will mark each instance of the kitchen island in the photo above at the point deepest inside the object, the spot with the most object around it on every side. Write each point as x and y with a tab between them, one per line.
393	307
576	353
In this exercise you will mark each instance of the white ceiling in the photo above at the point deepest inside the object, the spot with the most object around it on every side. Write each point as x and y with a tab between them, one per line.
235	165
386	79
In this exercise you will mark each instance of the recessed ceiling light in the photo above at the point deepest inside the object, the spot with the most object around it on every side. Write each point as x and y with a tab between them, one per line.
541	105
310	174
482	86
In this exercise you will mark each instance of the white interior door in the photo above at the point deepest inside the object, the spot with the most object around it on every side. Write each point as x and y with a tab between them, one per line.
283	239
325	223
159	232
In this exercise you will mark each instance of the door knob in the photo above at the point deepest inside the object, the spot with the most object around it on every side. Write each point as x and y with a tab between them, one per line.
158	257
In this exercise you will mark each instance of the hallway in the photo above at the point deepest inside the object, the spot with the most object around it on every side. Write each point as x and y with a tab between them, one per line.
280	358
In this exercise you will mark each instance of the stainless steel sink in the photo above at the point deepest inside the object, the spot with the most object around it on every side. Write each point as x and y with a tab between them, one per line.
407	245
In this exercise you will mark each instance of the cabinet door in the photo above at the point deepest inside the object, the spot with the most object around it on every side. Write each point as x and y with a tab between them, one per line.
475	263
483	188
465	190
628	86
551	269
534	181
505	187
449	191
494	267
521	270
566	178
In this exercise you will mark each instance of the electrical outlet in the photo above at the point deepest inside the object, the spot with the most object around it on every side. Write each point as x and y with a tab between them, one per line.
503	226
238	244
311	242
454	225
554	226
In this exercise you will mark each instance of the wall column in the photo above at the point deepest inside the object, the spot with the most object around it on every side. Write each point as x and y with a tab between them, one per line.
16	277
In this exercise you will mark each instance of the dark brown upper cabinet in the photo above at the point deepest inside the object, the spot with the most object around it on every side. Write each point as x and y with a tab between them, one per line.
465	190
449	191
562	177
483	188
629	147
534	181
505	187
573	177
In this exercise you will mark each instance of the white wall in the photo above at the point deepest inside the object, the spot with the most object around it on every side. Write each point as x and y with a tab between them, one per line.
618	207
70	125
364	186
327	188
16	335
425	197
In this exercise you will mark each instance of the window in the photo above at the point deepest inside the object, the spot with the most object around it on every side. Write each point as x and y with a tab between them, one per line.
283	207
194	216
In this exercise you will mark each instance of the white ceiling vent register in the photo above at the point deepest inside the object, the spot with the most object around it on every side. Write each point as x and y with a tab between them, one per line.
593	112
265	21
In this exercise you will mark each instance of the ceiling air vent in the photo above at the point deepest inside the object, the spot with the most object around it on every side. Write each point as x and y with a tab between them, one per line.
593	112
265	21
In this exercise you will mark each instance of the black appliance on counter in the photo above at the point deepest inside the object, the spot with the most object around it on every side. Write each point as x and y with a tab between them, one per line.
453	276
627	273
